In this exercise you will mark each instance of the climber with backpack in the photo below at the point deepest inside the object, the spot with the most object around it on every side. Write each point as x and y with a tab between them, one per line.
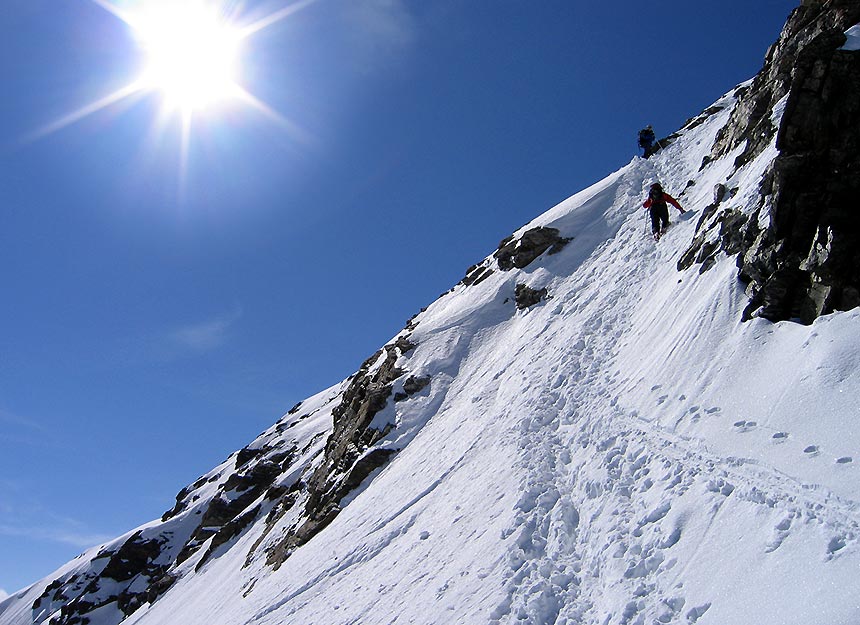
659	209
646	141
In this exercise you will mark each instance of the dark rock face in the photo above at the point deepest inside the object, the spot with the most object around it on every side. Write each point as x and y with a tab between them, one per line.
414	385
220	507
722	234
350	456
801	248
230	530
527	297
514	253
750	120
143	567
133	565
411	386
134	556
477	274
519	253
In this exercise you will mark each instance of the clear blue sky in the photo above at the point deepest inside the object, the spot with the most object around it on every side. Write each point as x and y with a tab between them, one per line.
151	324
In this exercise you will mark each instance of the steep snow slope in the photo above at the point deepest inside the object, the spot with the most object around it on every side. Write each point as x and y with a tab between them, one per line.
624	451
583	435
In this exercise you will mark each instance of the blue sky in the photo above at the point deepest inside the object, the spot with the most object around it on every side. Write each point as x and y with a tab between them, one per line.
154	321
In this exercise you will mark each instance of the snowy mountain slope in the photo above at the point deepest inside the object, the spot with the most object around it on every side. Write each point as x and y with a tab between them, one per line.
577	433
580	461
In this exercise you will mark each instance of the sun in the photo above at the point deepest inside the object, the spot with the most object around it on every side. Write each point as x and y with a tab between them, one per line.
192	53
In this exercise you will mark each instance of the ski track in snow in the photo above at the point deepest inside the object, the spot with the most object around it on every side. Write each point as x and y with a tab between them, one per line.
550	576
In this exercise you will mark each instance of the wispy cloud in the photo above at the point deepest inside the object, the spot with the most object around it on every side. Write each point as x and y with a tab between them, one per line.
205	335
65	536
3	594
383	31
17	420
23	514
179	341
16	429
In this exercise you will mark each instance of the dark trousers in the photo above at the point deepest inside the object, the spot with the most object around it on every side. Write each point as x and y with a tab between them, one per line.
659	217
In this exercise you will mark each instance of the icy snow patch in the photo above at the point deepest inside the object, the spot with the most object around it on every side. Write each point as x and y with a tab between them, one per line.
853	35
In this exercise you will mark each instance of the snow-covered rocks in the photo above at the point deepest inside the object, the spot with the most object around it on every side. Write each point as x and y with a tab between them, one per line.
799	241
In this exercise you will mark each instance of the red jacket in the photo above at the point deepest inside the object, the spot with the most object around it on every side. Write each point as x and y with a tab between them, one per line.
666	198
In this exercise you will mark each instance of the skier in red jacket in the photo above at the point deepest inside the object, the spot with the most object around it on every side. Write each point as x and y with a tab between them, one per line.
657	199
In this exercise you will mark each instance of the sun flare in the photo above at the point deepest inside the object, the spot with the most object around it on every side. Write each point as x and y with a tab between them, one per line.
192	54
192	51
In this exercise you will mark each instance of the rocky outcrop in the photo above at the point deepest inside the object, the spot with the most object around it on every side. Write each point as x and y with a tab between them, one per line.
210	513
262	482
718	231
517	253
799	251
526	297
750	121
131	576
813	246
477	274
219	518
142	568
350	454
411	386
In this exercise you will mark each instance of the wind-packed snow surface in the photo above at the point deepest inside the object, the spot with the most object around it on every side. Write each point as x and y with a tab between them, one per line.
625	451
853	35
